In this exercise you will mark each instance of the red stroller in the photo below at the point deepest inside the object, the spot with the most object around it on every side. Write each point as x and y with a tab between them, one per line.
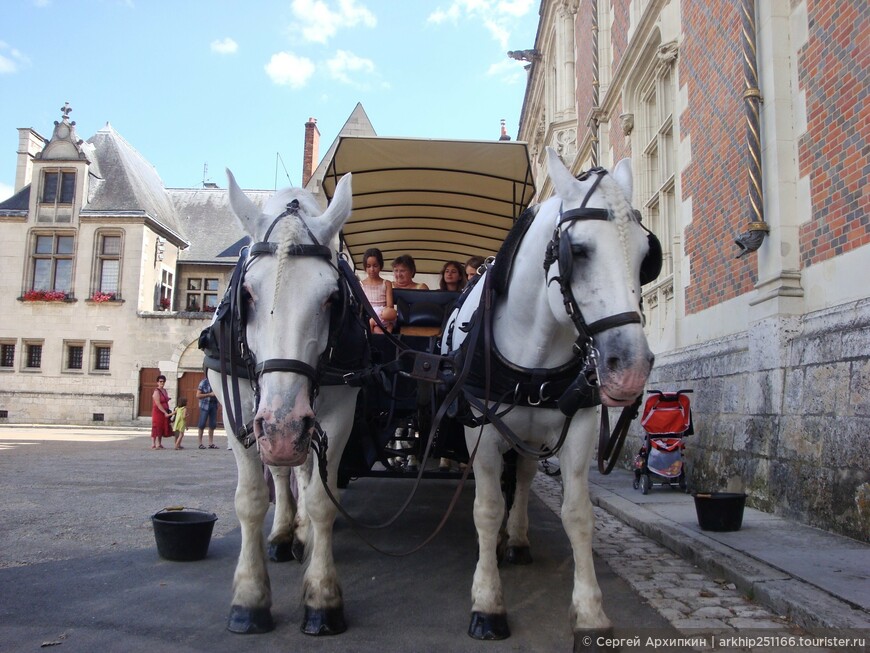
667	419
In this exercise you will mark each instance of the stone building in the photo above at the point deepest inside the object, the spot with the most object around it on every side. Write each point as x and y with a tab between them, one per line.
108	277
746	123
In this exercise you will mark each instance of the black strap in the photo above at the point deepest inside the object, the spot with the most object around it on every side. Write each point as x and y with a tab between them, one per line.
609	448
286	365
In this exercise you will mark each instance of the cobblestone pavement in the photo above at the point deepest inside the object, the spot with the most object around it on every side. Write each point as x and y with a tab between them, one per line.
691	600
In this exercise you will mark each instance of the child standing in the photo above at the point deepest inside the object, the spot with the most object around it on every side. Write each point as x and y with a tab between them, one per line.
379	291
179	423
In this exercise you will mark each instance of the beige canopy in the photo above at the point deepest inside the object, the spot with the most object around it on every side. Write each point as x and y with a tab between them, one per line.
437	200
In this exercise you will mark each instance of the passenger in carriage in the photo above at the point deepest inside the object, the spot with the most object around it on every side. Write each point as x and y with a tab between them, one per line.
452	276
378	290
404	270
472	265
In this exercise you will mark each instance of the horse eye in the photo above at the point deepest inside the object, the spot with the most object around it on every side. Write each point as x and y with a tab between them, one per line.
580	251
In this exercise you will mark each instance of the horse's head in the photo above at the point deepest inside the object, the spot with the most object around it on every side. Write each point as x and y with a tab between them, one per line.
285	294
603	252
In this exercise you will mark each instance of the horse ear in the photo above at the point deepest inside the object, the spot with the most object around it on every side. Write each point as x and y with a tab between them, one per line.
622	174
337	212
563	181
246	211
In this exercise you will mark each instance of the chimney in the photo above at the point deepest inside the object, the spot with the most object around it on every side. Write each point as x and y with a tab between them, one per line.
504	135
312	145
29	145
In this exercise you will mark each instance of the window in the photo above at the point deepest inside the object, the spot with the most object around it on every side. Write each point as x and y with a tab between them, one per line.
202	294
52	262
107	275
652	98
166	285
102	355
33	355
651	95
7	355
74	356
58	187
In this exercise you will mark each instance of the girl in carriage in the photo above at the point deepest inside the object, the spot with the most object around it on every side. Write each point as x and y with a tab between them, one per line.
378	290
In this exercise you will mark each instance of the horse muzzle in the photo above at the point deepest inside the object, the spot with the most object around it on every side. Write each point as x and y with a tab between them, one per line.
284	441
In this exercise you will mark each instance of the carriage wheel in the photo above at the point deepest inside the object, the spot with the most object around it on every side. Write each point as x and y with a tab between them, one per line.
682	481
645	483
636	482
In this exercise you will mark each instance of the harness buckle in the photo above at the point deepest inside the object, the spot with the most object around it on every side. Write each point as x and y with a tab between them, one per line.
425	366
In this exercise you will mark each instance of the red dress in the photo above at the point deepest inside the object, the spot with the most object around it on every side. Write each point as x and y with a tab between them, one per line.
160	427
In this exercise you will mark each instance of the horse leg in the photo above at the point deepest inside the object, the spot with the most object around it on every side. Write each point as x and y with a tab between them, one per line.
587	613
321	590
281	538
488	616
518	549
252	594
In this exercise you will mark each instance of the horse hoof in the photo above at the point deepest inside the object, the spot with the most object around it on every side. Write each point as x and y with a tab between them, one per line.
519	555
594	640
281	552
250	621
298	549
323	621
488	626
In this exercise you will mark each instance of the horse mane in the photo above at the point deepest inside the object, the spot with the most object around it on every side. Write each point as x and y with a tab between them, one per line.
621	213
289	230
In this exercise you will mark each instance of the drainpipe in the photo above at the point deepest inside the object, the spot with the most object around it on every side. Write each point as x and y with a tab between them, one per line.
595	82
757	228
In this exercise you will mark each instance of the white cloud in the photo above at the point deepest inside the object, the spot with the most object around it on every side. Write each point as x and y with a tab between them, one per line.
319	22
287	69
496	16
5	191
508	71
11	59
347	67
224	46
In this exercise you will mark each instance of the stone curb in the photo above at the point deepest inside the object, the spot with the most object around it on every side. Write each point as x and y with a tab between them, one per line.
804	604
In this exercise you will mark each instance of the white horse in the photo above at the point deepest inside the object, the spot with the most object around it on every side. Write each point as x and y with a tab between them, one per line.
284	302
532	329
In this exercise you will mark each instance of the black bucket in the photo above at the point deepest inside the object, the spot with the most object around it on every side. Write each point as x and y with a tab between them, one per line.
720	511
183	535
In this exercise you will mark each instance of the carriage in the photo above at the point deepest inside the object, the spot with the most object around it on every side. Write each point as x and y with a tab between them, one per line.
550	331
437	200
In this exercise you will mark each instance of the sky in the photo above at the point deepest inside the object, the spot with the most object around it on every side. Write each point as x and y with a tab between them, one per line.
231	84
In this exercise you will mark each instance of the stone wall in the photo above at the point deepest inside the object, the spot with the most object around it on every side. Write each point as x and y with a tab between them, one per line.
782	412
68	408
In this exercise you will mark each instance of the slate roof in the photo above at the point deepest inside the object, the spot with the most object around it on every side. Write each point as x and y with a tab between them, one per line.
18	202
207	222
126	181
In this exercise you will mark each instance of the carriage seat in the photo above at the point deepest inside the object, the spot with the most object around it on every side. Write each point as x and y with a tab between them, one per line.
422	312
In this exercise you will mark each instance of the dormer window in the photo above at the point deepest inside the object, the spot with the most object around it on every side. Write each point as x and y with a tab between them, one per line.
58	187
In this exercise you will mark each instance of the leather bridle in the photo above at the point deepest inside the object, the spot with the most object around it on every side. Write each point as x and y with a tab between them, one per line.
232	332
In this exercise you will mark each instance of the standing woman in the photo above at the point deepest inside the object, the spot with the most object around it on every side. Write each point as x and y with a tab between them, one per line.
453	276
160	426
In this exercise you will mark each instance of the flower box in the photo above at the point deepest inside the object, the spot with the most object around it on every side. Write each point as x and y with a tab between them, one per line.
45	296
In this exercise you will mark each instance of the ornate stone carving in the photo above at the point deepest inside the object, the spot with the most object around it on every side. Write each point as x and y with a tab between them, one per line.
627	122
567	8
667	55
525	55
565	141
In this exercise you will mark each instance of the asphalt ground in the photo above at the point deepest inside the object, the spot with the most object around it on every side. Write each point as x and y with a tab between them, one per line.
79	569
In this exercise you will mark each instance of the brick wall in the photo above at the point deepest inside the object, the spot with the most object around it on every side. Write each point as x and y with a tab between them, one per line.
583	70
716	180
619	29
833	67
